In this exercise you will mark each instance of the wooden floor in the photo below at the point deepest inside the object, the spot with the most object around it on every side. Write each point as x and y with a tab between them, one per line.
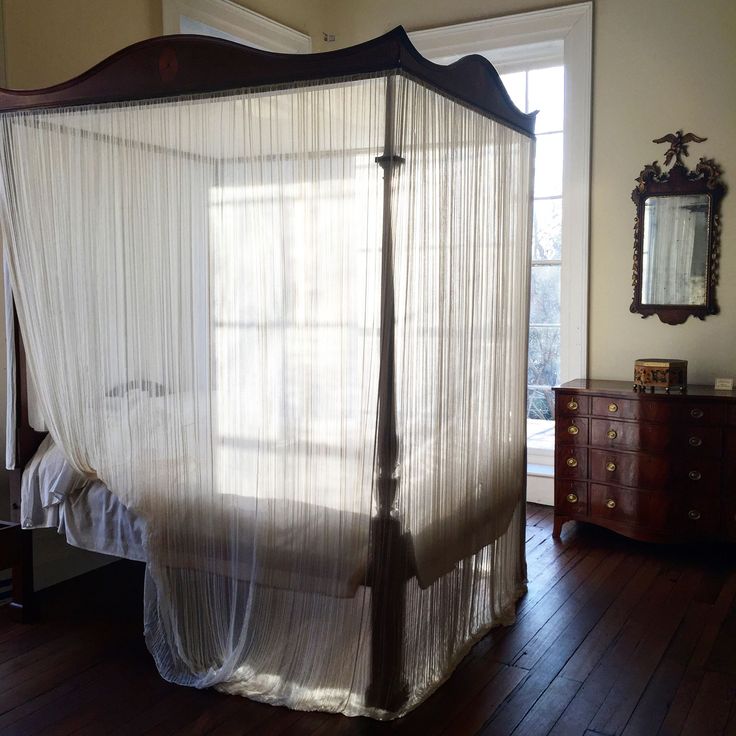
614	637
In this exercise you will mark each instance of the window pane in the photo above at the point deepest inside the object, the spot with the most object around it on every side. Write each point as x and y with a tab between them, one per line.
516	87
544	369
547	238
544	308
544	340
548	166
539	405
547	94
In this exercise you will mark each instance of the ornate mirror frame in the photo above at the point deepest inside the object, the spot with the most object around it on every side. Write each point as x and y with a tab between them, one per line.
679	180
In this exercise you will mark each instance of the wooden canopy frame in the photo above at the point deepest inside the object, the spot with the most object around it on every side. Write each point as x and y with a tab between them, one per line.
172	66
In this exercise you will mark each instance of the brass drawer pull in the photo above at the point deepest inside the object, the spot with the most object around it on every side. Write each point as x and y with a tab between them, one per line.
572	405
610	503
696	413
695	442
613	408
572	497
572	462
612	434
572	429
610	466
693	514
694	475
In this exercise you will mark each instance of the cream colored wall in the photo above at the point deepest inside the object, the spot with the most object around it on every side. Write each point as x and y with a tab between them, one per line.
358	20
50	41
658	65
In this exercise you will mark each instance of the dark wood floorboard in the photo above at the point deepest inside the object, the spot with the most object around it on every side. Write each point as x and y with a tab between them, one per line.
613	637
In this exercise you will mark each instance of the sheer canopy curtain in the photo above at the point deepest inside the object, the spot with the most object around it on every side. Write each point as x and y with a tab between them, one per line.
198	282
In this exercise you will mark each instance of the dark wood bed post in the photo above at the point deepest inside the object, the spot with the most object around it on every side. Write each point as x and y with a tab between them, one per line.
27	441
389	561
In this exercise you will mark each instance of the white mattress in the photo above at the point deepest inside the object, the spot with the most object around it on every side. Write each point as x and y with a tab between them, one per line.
91	517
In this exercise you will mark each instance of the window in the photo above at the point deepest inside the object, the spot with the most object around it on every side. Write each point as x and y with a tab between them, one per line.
544	59
225	19
543	89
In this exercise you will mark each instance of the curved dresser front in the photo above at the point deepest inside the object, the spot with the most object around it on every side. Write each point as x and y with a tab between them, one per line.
654	467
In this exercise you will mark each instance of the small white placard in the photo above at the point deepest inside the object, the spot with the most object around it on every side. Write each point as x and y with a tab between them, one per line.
724	384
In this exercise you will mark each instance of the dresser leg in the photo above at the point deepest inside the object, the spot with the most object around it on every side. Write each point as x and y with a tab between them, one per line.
557	526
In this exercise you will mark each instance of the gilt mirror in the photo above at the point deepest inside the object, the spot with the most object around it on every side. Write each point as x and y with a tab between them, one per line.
676	235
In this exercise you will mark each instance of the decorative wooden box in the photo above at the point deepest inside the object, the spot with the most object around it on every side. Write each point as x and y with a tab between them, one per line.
666	373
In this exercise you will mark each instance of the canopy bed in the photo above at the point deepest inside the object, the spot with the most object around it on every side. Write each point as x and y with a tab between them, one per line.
274	311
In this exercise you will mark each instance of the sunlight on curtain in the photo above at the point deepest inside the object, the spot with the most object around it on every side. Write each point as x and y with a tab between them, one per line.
198	282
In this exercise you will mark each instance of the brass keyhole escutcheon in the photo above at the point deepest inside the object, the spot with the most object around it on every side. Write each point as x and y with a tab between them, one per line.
695	442
572	429
696	413
572	497
610	466
572	405
694	475
572	462
694	514
612	434
610	503
613	408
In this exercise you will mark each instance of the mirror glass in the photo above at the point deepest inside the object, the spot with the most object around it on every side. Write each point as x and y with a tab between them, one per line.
675	249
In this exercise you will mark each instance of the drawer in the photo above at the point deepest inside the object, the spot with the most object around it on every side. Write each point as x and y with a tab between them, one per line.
732	414
655	472
627	506
648	410
571	430
682	517
703	413
650	437
571	405
571	498
659	410
696	516
604	406
571	462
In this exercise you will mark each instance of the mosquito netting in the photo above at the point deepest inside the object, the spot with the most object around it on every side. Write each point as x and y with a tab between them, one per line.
287	328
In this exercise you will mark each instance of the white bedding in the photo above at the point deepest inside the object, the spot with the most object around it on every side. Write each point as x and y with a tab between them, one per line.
54	495
91	517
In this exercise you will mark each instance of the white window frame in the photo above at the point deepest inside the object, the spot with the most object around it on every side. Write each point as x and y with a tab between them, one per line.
228	17
503	40
537	39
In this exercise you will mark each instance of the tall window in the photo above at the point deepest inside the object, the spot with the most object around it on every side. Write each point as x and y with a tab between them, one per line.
544	59
543	89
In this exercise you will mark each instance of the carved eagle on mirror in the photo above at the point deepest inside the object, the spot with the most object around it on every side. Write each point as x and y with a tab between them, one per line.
678	145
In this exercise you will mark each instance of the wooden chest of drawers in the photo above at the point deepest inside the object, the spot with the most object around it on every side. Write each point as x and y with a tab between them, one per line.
655	467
